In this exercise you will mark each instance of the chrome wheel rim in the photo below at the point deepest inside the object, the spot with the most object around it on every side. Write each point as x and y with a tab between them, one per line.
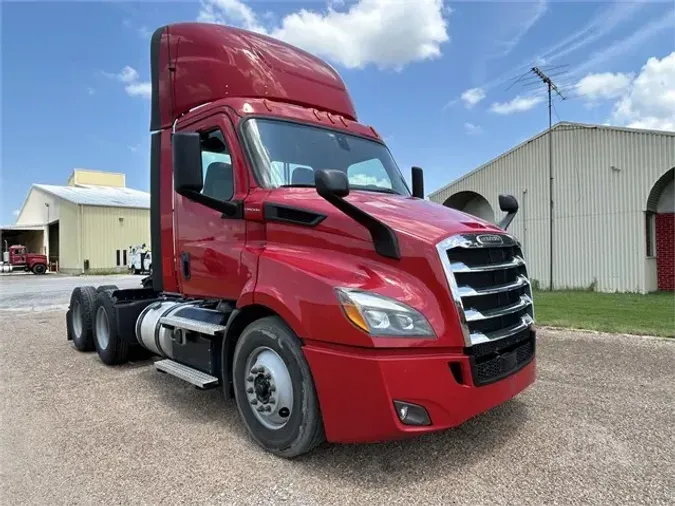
102	330
269	389
77	319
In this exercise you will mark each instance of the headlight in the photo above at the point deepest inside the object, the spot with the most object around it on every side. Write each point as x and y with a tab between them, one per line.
382	316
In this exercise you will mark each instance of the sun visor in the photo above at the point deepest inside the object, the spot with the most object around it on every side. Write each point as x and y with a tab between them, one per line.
196	63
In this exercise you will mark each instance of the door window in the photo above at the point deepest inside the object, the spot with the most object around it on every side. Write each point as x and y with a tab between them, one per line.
216	167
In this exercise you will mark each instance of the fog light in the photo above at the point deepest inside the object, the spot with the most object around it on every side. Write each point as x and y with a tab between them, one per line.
411	414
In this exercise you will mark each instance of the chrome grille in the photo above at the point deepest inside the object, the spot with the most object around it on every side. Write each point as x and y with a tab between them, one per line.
489	284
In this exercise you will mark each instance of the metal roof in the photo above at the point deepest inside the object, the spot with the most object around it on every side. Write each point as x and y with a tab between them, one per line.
21	227
98	195
561	125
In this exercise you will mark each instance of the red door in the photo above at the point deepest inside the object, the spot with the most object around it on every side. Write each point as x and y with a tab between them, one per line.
208	243
18	256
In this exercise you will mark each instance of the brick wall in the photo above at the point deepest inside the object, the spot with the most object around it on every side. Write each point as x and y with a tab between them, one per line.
665	250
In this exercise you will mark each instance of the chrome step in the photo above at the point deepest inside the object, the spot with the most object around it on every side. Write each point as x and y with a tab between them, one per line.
178	322
198	378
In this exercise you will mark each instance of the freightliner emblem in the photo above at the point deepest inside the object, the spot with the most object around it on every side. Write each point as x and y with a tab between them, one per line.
486	239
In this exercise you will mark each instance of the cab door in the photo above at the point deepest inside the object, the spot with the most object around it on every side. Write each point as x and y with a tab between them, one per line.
209	243
18	256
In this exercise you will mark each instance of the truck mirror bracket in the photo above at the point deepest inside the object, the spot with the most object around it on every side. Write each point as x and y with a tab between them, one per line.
509	205
384	238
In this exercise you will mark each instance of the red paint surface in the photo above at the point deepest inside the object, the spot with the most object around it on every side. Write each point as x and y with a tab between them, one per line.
665	251
293	270
27	259
213	62
356	391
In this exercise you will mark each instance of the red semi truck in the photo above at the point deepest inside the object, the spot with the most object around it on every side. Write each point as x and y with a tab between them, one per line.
294	268
17	258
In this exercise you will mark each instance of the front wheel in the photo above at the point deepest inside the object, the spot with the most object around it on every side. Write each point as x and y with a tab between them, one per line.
274	389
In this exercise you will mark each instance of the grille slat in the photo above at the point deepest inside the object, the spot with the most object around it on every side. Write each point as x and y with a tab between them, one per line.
488	279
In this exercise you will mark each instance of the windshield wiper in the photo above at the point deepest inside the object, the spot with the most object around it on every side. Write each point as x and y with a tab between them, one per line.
375	189
363	188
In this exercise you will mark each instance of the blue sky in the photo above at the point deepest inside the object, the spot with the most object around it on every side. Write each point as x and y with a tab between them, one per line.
433	77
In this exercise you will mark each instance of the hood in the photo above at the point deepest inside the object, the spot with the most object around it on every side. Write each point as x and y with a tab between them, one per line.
422	219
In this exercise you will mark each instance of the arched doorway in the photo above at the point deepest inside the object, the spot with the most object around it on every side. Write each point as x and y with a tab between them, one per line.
660	229
471	203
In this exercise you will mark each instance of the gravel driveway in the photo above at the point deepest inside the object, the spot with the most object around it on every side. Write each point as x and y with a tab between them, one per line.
597	427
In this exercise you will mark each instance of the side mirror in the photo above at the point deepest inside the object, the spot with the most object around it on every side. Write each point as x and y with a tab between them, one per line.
417	182
330	182
509	205
187	163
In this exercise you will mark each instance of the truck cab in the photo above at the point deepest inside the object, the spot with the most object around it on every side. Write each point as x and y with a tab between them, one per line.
294	267
18	258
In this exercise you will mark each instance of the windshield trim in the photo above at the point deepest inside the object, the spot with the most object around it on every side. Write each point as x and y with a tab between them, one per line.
254	166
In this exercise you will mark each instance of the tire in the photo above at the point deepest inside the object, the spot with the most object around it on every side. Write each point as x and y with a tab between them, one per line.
80	317
270	342
111	347
107	288
39	269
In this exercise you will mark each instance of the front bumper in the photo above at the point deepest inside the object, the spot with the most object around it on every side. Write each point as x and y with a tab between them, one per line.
357	389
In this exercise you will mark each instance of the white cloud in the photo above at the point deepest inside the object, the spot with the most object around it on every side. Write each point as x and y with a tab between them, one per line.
604	85
90	91
134	148
533	11
607	19
133	86
650	101
139	89
472	129
634	40
144	33
518	104
379	32
16	212
128	74
604	22
472	96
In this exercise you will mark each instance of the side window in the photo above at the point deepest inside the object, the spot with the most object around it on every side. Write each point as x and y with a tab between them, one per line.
369	173
216	167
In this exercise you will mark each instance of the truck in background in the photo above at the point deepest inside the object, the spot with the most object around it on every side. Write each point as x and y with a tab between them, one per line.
17	258
294	268
139	259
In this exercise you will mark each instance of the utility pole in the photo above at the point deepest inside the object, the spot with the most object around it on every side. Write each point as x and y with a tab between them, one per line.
550	85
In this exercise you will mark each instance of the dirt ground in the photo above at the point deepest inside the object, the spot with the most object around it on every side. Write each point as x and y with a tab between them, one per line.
597	427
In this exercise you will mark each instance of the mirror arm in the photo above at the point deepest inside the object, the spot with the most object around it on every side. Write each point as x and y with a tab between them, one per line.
506	221
384	238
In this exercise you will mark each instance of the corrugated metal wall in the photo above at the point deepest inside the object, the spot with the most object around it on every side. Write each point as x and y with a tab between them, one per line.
602	179
108	229
69	237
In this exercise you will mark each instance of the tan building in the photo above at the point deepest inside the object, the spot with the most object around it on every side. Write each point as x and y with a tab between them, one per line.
613	206
85	226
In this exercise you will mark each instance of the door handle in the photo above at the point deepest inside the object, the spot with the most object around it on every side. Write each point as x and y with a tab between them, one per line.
185	264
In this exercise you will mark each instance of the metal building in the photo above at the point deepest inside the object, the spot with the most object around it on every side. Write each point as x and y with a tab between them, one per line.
86	226
613	205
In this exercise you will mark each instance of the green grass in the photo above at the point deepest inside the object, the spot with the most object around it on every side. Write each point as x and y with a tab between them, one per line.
652	314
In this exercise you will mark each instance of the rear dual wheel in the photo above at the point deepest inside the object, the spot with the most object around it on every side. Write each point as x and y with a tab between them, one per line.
79	319
274	389
112	348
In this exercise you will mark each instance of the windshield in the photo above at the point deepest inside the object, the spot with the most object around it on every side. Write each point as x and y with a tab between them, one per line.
287	154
